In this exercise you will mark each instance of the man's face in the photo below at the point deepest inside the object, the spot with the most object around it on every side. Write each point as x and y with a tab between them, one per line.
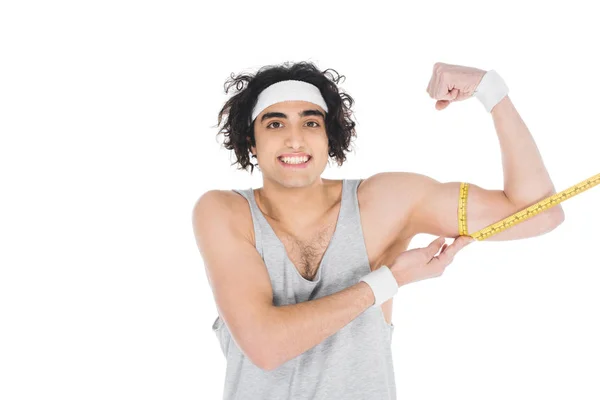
285	132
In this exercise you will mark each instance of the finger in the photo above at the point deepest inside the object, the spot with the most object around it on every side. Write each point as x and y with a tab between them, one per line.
440	88
438	241
467	239
448	95
430	86
464	239
437	255
434	246
446	255
458	244
440	261
432	249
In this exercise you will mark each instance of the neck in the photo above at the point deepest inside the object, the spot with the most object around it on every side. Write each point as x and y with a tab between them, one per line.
295	206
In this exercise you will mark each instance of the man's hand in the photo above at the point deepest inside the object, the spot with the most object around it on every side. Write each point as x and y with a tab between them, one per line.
450	83
422	263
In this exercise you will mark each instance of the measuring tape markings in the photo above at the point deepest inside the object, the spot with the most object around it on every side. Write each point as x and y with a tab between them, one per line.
519	216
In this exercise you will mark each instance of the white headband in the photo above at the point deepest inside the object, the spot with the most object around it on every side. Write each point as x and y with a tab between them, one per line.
288	91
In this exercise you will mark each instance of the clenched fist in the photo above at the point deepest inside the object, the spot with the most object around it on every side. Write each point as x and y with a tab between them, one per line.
450	83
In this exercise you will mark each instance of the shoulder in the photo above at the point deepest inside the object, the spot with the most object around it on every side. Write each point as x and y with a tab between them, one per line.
226	199
223	206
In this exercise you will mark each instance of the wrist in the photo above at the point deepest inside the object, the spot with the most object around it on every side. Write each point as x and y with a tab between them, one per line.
491	90
368	295
383	284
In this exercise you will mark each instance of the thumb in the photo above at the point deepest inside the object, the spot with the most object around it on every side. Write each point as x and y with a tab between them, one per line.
448	98
441	104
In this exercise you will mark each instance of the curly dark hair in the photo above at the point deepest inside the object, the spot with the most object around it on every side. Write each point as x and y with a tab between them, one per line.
239	136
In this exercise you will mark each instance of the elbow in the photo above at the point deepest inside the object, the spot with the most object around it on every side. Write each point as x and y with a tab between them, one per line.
263	365
263	359
558	216
267	367
273	355
266	357
260	357
555	218
261	348
256	353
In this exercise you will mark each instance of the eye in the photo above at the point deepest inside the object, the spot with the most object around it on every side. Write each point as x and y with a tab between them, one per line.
274	122
309	122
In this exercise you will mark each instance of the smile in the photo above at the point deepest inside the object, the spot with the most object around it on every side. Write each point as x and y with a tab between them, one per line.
295	166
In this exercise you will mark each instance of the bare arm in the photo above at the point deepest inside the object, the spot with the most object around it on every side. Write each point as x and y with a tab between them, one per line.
268	335
526	179
296	328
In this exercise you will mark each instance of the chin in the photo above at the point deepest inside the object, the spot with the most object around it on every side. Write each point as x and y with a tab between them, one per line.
297	182
293	181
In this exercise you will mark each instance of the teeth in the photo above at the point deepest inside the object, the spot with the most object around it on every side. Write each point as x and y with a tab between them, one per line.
294	160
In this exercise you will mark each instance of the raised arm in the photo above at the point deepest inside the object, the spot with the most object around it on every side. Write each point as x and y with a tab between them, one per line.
526	180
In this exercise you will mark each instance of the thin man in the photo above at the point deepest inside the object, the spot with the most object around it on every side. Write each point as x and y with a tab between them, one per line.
304	269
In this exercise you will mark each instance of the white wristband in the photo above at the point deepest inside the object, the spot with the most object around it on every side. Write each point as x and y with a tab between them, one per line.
491	90
383	284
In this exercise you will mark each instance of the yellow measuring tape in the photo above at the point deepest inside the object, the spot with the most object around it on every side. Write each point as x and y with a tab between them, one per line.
520	216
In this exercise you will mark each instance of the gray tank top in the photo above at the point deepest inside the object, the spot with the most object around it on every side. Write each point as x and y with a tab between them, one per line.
355	363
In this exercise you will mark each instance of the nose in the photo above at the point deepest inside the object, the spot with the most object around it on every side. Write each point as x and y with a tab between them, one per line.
294	137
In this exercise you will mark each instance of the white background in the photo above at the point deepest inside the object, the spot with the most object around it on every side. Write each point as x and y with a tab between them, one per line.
107	115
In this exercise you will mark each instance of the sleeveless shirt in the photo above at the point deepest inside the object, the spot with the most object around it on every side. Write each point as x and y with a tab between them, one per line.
355	363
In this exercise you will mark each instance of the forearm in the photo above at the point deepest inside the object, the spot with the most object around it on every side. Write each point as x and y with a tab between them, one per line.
526	180
296	328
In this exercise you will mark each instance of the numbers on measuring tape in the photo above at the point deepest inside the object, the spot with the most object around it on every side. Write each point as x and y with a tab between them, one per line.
520	216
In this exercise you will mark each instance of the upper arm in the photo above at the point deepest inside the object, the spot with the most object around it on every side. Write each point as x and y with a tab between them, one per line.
236	272
433	208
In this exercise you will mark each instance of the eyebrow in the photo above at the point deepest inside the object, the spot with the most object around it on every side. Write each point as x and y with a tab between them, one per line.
282	115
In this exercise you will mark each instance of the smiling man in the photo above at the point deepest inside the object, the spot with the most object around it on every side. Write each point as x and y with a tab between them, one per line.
285	260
